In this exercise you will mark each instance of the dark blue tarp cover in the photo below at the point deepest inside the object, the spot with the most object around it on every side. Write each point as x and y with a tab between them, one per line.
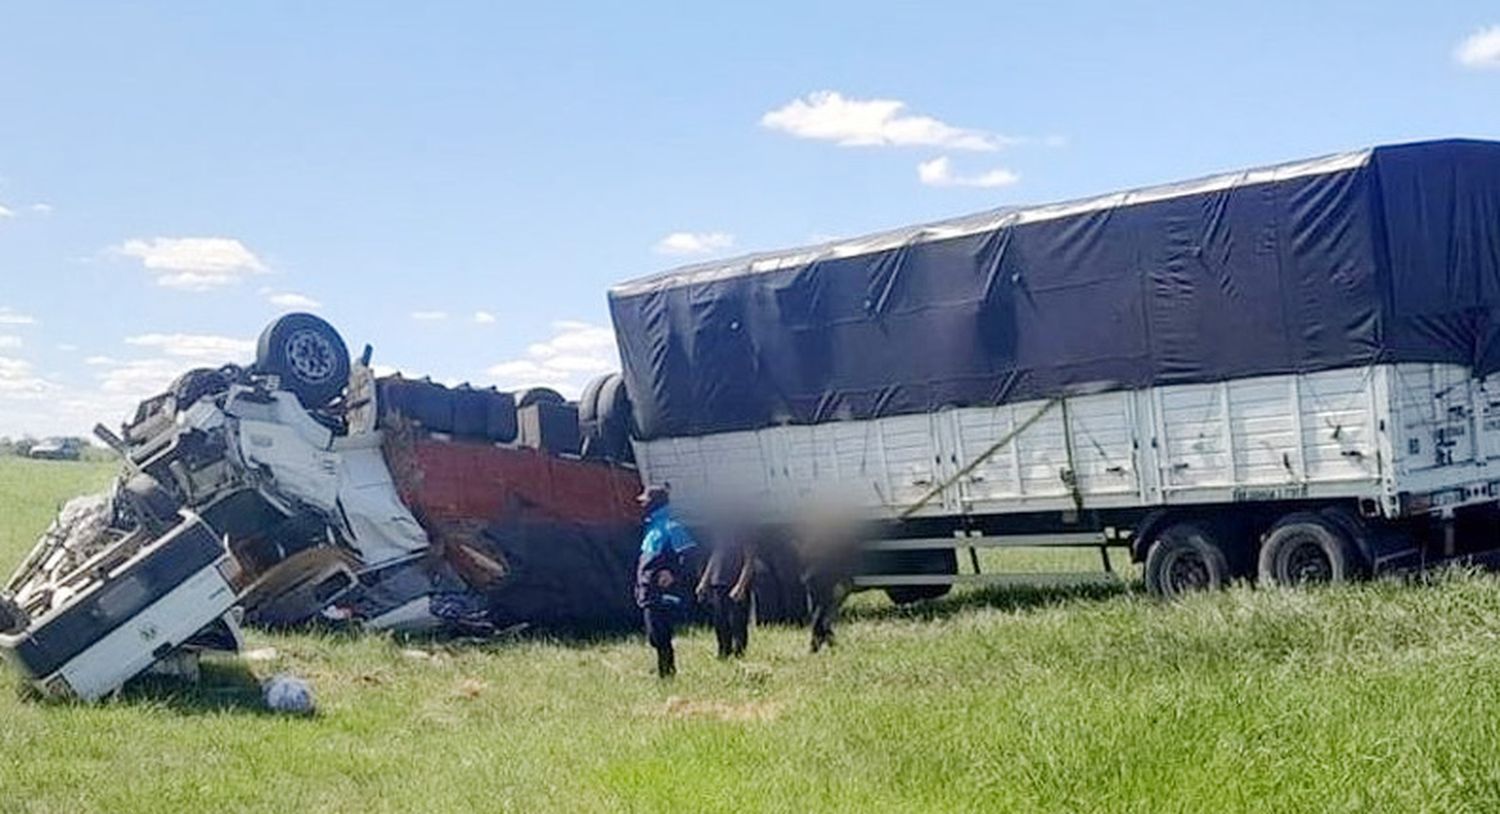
1390	254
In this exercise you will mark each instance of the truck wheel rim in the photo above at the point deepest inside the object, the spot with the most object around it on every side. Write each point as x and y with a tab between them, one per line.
310	355
1187	571
1307	562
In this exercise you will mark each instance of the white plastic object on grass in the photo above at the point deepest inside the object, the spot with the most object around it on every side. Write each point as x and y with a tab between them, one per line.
290	694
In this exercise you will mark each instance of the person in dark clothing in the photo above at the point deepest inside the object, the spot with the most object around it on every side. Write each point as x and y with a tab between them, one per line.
829	552
725	586
660	575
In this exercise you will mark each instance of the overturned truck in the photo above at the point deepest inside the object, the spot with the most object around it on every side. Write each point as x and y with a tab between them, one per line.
304	489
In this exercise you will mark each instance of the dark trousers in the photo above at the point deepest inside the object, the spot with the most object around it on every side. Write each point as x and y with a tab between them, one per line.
823	607
731	622
660	626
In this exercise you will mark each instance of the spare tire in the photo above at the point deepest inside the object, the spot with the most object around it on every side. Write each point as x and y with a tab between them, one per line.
308	355
536	395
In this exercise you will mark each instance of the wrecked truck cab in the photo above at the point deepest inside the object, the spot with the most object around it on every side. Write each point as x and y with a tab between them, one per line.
335	496
141	599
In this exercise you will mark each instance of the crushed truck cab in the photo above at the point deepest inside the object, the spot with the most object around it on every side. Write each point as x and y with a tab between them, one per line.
304	490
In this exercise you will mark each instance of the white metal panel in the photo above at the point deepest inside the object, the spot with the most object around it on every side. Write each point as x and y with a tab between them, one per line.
1433	403
908	446
1104	439
1263	430
1338	431
978	429
130	648
1487	402
1194	443
1041	452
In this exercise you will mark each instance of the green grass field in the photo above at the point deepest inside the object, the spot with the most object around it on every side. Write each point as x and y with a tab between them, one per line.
1377	698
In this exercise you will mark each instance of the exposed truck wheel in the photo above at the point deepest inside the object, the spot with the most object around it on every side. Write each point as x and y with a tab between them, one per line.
536	395
1307	548
1185	558
308	355
917	562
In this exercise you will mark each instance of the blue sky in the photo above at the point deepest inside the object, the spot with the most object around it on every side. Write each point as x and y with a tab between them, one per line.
459	183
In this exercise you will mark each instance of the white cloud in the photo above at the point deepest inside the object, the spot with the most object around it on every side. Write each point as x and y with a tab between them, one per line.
101	361
576	352
19	381
939	173
194	263
139	379
429	316
289	299
680	243
67	347
41	208
10	341
1480	50
830	116
6	213
204	347
484	318
9	316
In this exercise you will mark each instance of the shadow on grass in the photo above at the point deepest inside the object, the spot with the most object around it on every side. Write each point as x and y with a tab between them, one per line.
224	685
1008	598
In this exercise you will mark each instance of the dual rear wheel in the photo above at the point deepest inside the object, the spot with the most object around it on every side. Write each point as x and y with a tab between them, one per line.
1299	549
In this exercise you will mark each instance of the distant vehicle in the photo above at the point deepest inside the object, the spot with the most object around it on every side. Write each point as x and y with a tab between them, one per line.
57	449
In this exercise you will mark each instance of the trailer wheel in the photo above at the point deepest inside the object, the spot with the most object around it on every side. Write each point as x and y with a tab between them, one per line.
1184	559
308	355
1306	548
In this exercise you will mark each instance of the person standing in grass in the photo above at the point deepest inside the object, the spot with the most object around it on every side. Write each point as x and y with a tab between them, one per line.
828	547
725	586
661	575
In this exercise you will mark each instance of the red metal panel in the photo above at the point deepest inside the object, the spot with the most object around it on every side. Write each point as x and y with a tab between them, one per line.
459	481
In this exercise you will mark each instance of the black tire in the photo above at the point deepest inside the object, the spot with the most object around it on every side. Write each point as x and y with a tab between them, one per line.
500	417
614	419
470	412
536	395
918	562
308	355
1307	548
197	383
1186	558
588	403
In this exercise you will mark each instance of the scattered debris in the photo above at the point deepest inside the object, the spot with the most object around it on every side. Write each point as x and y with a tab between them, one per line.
471	688
289	694
261	654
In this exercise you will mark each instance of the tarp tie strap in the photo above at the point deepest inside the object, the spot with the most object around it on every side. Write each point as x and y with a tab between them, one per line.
981	458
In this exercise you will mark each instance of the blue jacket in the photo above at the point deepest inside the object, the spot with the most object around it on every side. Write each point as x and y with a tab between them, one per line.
664	541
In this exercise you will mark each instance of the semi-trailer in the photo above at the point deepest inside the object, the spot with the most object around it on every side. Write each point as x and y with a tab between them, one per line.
1282	373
